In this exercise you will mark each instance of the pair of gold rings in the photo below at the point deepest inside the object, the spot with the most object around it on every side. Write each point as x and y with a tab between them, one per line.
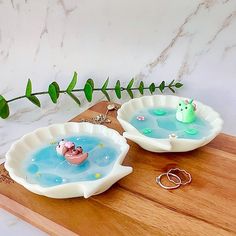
176	176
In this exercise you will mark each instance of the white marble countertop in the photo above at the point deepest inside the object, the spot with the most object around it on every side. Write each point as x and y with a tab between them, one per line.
11	225
191	41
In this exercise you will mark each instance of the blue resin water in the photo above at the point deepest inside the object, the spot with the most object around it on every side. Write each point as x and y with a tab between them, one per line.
161	122
47	168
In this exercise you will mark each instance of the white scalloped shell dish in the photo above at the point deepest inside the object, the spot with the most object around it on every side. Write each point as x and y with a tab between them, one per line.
23	149
172	143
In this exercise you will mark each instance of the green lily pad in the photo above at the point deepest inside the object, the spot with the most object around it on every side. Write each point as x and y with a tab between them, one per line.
159	112
147	131
191	131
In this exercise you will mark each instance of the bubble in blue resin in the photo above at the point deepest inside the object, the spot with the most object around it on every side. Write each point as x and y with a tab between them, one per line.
47	168
47	179
32	169
160	122
104	157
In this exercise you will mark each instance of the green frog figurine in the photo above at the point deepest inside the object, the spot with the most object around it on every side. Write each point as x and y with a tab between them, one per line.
186	111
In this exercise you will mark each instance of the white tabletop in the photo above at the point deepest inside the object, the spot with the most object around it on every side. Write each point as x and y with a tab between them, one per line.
11	225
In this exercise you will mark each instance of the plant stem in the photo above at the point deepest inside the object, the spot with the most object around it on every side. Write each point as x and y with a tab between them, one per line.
81	90
16	98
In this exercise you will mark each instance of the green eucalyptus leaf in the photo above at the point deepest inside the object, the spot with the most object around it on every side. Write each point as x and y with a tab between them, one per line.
4	108
34	100
141	87
130	84
72	83
162	86
106	94
56	85
171	83
152	88
88	90
130	93
74	98
118	89
4	113
172	90
53	91
178	85
90	81
104	87
2	102
28	89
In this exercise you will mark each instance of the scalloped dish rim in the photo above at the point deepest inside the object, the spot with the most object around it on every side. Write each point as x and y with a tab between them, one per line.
170	144
73	189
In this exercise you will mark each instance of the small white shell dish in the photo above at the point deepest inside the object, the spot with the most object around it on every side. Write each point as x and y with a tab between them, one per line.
169	144
30	142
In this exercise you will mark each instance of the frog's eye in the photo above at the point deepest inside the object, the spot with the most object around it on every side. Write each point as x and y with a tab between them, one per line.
179	104
186	107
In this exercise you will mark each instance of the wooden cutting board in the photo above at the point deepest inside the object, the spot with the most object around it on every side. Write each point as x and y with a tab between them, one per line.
136	205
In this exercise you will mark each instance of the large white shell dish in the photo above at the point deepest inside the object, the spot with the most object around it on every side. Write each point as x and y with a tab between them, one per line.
32	141
128	109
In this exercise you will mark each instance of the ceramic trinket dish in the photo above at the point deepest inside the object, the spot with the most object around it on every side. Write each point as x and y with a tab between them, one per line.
68	160
166	123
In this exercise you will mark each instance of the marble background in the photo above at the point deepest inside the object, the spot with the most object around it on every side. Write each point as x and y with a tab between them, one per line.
153	40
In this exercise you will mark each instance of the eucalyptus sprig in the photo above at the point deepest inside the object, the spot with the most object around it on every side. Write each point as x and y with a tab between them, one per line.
54	91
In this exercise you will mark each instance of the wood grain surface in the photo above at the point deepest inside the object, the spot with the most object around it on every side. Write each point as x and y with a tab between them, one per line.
136	205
